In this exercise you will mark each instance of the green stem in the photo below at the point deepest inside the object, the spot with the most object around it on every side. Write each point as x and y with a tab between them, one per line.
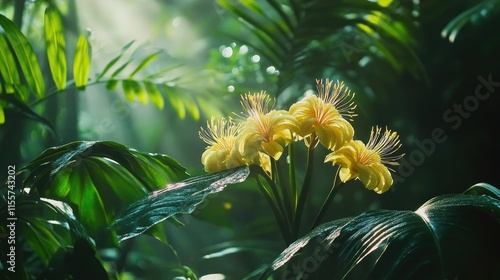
306	186
331	195
283	226
285	191
272	183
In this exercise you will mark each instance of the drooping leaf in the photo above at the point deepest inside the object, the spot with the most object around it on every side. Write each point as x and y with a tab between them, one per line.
2	114
114	60
56	53
25	55
46	225
80	262
177	198
24	110
133	89
175	101
451	30
311	39
99	179
81	66
145	62
8	69
433	242
154	94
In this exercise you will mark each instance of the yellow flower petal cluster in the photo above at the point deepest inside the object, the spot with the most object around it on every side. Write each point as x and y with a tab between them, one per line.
220	136
325	114
262	134
369	163
264	130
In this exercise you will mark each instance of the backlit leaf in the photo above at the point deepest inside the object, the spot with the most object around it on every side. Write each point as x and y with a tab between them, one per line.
81	66
176	198
25	55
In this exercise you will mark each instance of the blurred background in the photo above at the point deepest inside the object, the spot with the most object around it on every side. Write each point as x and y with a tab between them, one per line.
429	70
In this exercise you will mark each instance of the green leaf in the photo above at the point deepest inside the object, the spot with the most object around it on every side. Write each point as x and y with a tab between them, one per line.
114	60
25	55
79	263
46	225
111	84
25	111
134	89
2	114
99	179
175	101
81	66
8	69
451	30
54	39
177	198
434	242
191	106
144	63
154	94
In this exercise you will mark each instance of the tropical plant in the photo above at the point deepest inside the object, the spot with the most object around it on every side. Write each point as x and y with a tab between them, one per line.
76	210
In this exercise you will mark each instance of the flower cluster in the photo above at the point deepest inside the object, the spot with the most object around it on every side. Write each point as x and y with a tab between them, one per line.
263	132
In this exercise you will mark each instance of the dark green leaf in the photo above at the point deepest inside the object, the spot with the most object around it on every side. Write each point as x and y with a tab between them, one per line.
99	179
47	225
434	242
133	89
25	55
81	66
451	30
177	198
25	111
54	39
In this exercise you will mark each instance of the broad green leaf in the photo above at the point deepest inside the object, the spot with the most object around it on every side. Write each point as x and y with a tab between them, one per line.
56	54
99	178
81	66
154	94
451	30
134	89
144	63
114	60
8	69
25	55
47	225
433	242
176	198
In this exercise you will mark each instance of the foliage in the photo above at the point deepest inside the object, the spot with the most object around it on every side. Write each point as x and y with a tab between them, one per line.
391	244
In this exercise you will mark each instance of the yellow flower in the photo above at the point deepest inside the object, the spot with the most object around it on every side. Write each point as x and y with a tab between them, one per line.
264	130
220	136
369	163
325	114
